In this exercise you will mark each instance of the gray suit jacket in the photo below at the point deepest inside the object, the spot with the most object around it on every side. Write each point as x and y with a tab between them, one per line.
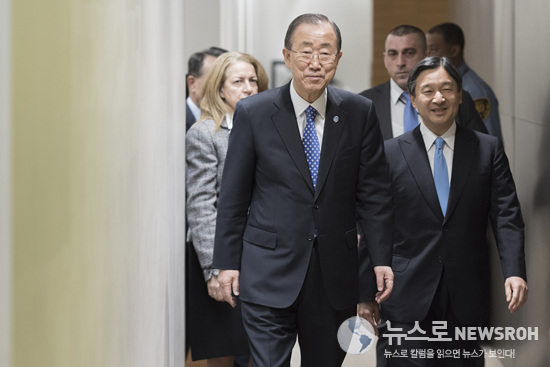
380	96
205	157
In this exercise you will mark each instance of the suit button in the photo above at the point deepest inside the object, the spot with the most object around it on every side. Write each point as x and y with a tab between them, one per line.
316	206
310	237
439	259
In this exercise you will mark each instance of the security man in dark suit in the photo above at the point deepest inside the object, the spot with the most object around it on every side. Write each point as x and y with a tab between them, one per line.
305	164
198	68
405	47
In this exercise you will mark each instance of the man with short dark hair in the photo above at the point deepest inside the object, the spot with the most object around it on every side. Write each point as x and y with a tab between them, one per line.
305	164
198	68
405	47
448	182
447	39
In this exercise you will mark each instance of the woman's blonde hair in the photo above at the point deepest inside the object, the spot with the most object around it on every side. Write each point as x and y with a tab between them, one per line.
212	105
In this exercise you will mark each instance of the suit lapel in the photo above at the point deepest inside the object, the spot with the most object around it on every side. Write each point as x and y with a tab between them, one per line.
335	119
414	150
287	127
384	113
463	157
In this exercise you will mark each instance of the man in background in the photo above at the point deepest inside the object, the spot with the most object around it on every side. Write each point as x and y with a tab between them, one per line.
405	47
447	39
198	68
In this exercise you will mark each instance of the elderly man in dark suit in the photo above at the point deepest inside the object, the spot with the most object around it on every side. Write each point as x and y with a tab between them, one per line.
405	47
448	183
305	163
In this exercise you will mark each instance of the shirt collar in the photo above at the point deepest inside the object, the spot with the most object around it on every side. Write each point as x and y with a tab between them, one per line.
429	137
301	104
195	110
227	122
395	93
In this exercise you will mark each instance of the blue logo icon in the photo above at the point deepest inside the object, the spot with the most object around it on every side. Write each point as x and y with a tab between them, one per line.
356	336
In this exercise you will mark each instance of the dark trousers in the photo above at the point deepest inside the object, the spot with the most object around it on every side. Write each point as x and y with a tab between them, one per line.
272	331
440	310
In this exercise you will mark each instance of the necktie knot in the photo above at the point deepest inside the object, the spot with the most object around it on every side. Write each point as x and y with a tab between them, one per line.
439	142
311	113
410	117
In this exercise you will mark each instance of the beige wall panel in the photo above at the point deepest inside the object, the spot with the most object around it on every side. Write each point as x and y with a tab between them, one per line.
5	184
97	177
532	84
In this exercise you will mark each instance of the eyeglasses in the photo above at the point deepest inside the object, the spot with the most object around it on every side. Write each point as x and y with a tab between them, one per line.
307	57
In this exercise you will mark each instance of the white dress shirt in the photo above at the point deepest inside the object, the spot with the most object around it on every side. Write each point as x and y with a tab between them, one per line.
448	149
195	110
300	106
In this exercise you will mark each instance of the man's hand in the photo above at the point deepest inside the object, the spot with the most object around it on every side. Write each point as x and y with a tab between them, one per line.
228	280
214	289
370	311
516	293
384	282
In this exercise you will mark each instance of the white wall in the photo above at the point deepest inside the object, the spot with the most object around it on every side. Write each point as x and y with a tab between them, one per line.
355	23
506	42
201	26
265	22
531	88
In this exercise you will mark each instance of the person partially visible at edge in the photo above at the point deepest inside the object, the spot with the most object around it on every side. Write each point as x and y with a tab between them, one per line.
198	67
447	39
216	332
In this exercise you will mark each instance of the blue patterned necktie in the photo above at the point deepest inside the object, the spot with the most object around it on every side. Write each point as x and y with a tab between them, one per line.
441	175
410	117
311	144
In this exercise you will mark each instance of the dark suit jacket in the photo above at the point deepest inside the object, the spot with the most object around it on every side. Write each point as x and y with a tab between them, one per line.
268	210
380	96
189	117
425	243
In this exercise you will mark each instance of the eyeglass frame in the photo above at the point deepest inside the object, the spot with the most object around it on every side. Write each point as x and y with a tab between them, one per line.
305	53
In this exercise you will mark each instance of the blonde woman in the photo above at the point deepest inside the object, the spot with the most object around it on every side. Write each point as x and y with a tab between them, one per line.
215	330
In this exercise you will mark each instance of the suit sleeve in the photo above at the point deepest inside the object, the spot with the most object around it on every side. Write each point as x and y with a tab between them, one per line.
506	218
235	193
374	209
468	116
201	174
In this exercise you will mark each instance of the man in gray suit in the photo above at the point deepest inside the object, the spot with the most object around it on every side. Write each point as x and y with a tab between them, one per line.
405	47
